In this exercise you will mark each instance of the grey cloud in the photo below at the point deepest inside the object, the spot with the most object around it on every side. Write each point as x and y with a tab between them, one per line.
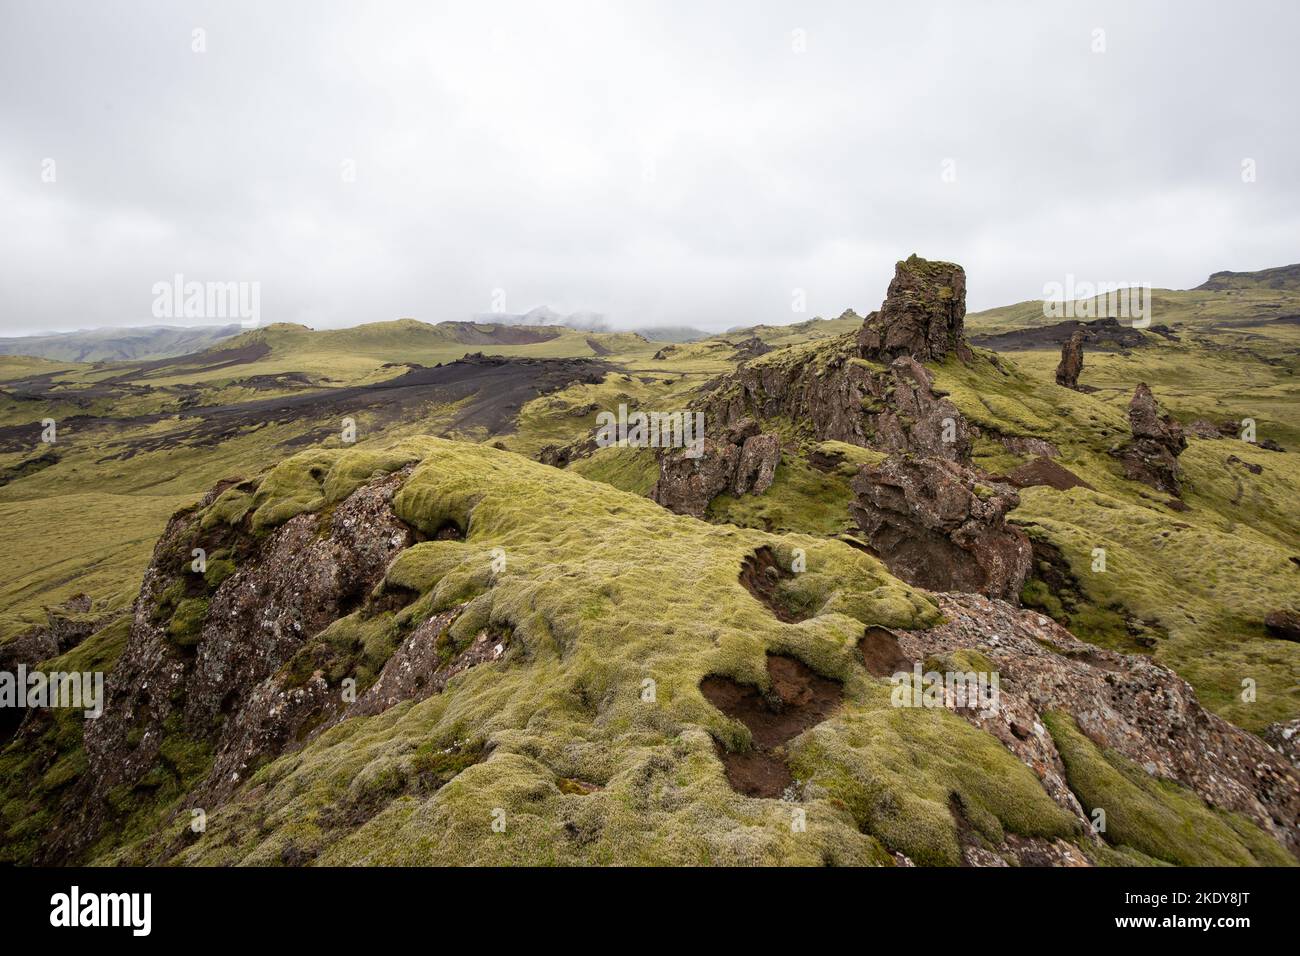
654	163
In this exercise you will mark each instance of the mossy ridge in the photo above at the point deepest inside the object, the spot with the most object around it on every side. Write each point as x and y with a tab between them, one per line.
1157	818
312	480
586	567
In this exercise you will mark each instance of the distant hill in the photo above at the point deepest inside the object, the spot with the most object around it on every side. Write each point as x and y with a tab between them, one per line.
120	344
588	322
1281	277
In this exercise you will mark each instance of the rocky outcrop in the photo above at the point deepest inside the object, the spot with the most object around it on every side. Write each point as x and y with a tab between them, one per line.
66	626
1151	457
870	389
895	409
1126	705
740	460
1067	373
937	526
217	679
751	347
1284	737
922	315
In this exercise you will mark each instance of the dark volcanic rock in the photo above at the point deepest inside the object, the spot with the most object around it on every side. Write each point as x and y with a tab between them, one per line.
922	315
1043	471
1284	624
1284	737
739	461
1200	428
1105	334
752	347
1067	373
222	688
868	389
1152	455
937	526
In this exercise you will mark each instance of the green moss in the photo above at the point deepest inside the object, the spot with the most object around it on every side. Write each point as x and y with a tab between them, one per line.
630	469
895	770
186	624
801	498
1157	817
218	570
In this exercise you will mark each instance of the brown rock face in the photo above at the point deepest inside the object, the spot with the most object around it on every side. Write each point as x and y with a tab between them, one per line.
1127	704
224	688
1284	624
846	400
1067	373
1152	455
922	315
937	526
740	461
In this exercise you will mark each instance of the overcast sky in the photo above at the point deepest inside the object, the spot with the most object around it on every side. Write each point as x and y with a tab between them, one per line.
690	163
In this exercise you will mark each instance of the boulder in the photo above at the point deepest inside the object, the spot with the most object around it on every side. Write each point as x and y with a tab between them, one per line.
936	525
1067	373
1151	457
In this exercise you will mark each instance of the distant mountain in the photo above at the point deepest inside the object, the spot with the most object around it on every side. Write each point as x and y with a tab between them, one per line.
1281	277
670	333
590	322
119	345
545	315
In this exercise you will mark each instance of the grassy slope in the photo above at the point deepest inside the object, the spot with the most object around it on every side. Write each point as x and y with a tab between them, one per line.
1206	576
105	502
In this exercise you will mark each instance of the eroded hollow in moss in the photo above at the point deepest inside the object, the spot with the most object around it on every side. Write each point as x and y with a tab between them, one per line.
761	574
799	698
881	654
449	531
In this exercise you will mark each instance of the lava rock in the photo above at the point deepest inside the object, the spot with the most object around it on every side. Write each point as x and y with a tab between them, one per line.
922	315
936	525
